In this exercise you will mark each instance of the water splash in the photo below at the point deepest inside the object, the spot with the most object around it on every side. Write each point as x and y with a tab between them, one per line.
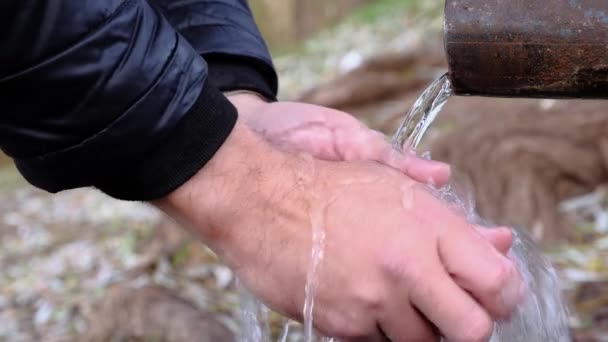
253	317
285	331
543	315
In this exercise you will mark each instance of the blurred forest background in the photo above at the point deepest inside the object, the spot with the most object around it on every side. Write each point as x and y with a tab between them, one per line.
79	266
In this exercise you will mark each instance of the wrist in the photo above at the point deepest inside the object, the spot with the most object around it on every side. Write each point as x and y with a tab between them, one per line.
235	93
208	198
240	187
248	104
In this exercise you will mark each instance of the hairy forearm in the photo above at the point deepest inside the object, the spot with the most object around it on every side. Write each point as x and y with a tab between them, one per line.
242	183
211	196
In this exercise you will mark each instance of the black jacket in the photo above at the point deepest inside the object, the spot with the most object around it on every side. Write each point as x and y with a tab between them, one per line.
123	95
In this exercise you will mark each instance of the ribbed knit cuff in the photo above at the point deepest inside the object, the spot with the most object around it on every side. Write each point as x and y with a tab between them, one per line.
229	73
190	146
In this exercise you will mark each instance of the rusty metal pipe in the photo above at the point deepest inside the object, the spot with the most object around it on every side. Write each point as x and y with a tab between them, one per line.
528	48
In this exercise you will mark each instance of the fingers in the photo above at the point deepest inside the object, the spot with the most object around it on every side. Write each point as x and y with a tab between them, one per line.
500	238
421	170
481	269
403	323
457	315
365	144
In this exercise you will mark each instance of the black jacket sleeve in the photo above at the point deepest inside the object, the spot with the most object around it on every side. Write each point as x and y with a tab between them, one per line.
225	33
105	94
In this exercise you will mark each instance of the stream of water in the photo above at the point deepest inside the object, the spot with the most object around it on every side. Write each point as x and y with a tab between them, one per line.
422	114
542	317
318	246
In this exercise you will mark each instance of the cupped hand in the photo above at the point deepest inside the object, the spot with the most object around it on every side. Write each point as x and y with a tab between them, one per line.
331	135
397	262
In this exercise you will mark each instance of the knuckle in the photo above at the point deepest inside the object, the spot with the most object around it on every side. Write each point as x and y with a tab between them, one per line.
336	325
347	324
400	269
345	329
373	302
369	297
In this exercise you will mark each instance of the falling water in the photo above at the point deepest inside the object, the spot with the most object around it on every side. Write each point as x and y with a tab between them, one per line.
422	114
253	317
318	246
542	316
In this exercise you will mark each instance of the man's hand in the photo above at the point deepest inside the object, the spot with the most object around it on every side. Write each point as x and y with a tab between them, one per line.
331	135
396	260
